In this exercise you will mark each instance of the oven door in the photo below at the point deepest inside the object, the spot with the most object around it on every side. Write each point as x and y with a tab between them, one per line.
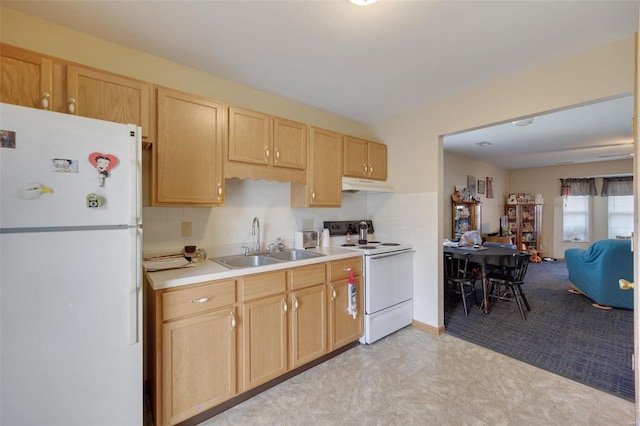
388	280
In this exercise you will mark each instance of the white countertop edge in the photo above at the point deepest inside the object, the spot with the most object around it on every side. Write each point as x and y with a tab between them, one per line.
212	271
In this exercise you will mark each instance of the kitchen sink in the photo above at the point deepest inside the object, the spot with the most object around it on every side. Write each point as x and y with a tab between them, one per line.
242	261
247	261
293	254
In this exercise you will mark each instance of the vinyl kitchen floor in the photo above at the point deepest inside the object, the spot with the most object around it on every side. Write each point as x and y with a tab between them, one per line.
416	378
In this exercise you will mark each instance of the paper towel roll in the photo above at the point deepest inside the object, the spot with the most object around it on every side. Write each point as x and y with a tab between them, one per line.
326	239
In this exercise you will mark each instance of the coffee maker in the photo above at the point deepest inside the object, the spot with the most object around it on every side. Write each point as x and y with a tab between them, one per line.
363	231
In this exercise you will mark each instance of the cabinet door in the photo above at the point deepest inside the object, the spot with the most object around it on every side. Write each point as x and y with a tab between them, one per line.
249	136
187	166
530	227
26	78
199	364
343	327
355	157
104	96
264	330
377	154
308	325
325	171
289	144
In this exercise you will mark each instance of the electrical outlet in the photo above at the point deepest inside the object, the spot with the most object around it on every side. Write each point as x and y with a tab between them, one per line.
307	224
186	229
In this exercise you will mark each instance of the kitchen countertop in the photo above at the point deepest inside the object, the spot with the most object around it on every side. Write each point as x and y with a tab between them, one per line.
210	270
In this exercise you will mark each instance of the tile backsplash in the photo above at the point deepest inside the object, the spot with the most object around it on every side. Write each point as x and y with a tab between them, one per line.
225	229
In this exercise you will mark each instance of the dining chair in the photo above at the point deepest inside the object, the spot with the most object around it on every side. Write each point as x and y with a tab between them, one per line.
507	283
461	277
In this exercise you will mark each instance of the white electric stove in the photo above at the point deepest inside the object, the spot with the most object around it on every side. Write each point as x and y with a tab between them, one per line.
388	278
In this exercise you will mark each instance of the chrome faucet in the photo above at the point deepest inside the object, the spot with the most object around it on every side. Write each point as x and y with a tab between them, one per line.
254	225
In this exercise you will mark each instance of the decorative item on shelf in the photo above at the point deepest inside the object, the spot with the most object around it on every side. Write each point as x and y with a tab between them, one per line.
512	199
525	198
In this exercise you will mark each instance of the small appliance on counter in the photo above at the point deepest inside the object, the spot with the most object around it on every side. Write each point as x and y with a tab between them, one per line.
363	231
306	239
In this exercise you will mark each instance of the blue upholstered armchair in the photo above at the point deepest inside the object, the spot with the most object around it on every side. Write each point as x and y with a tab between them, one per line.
596	271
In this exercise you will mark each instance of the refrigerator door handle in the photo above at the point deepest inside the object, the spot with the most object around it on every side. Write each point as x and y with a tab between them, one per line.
136	286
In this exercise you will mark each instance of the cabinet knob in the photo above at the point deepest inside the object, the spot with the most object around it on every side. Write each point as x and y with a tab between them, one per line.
201	300
333	293
266	153
72	105
233	321
370	169
364	166
219	191
313	195
285	308
295	303
45	100
277	154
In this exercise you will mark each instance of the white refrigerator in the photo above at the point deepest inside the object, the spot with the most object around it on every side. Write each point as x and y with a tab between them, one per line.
70	270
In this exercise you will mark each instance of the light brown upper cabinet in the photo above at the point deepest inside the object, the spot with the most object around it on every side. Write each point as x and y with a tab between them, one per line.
186	168
264	147
27	79
324	172
39	81
365	159
111	97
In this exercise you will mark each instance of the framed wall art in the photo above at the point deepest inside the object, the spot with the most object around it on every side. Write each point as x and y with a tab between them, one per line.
489	187
480	187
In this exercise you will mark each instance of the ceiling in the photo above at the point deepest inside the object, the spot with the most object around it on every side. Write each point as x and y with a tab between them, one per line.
596	132
363	63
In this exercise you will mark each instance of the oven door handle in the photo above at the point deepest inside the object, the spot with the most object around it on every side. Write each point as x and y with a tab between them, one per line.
397	253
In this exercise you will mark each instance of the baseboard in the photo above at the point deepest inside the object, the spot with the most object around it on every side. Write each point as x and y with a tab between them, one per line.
426	327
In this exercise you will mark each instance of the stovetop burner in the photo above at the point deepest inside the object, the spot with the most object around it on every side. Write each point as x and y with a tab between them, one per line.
390	244
373	242
367	247
348	245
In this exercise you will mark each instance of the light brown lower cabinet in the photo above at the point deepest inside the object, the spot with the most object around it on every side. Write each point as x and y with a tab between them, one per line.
344	327
264	334
191	381
213	341
308	325
192	342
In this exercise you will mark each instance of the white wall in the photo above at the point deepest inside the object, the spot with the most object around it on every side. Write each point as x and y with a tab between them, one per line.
546	181
223	230
456	169
415	144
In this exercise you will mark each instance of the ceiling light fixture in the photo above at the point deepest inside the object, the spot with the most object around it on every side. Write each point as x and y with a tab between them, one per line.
484	143
363	2
524	122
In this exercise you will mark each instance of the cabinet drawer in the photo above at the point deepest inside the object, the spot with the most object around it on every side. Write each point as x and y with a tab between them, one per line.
256	286
197	299
338	269
307	276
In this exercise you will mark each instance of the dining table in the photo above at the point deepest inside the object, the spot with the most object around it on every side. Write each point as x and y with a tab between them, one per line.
485	256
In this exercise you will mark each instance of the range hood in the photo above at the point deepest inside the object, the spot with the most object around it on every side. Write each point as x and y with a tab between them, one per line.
350	184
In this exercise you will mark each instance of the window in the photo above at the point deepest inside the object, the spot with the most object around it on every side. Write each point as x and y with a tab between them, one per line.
620	215
575	218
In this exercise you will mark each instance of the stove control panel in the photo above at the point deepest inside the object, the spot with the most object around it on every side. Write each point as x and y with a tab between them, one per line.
344	226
